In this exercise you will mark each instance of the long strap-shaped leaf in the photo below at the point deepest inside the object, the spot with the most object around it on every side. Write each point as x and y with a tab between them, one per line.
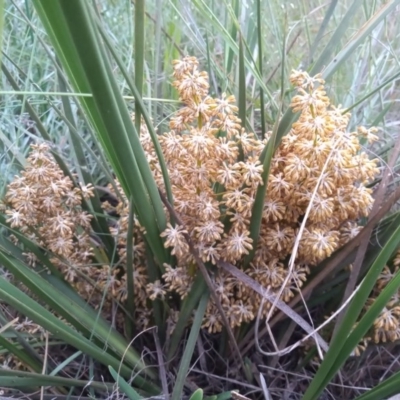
140	104
75	38
266	159
80	317
25	305
190	345
8	375
385	389
346	338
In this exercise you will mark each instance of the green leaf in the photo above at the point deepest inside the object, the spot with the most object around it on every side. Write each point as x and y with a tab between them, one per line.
23	343
21	354
383	390
190	345
2	8
25	305
79	314
130	285
221	396
336	37
266	159
213	19
139	103
371	93
139	56
76	40
347	50
124	385
199	287
197	395
260	67
242	84
7	377
348	337
233	34
328	16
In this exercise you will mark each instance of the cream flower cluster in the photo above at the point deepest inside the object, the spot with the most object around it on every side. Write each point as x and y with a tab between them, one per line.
44	205
215	170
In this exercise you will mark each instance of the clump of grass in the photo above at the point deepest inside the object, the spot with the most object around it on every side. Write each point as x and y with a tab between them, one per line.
147	260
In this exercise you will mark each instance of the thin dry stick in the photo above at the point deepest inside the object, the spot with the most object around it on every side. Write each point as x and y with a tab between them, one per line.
46	354
248	341
161	364
283	342
206	277
126	351
297	244
312	333
251	283
354	275
202	353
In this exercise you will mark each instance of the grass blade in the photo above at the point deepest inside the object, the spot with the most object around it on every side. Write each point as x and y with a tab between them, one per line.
139	56
190	345
328	15
130	302
81	318
124	385
383	390
233	35
47	380
143	111
242	85
335	39
260	67
345	340
25	305
266	159
207	12
187	307
22	355
333	64
354	41
67	24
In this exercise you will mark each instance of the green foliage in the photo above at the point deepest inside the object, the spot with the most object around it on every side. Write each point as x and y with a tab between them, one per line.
190	346
348	336
197	395
124	385
71	70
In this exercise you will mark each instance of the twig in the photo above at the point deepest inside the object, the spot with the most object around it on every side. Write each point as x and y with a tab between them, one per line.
163	374
46	354
245	279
